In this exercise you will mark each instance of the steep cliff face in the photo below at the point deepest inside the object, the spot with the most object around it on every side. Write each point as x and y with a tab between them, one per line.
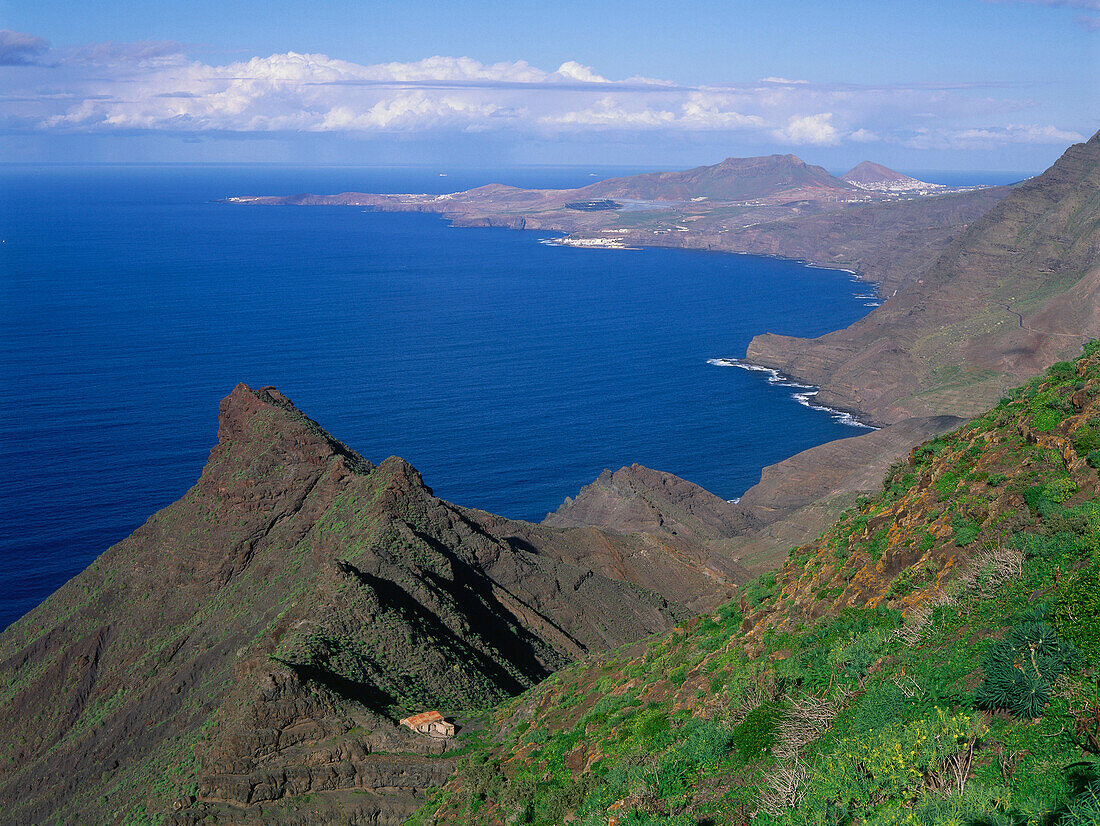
255	641
1012	294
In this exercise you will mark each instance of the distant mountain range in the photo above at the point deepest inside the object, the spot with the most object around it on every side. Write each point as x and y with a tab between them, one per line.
734	179
886	228
770	178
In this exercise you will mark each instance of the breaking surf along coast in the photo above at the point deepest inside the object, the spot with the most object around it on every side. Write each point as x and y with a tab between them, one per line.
804	394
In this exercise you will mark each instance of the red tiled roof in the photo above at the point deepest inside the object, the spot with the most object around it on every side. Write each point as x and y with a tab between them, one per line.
422	718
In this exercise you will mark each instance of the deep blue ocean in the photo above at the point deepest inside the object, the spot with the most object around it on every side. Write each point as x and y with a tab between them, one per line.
508	371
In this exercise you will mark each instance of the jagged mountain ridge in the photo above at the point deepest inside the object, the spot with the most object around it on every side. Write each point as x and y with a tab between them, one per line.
254	642
257	639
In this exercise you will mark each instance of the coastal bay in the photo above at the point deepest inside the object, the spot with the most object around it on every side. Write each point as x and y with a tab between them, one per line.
546	364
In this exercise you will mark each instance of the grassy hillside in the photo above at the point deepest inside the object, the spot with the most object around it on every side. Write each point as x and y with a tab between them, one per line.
931	659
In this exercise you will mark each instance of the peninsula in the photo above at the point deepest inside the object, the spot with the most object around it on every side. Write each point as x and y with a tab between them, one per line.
774	205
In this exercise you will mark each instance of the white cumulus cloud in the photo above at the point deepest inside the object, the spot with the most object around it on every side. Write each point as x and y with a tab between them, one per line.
157	87
809	129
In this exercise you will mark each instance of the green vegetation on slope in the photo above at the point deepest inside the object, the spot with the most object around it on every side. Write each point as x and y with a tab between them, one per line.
931	659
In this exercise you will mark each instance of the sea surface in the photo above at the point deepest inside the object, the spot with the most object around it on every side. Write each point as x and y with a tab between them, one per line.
508	371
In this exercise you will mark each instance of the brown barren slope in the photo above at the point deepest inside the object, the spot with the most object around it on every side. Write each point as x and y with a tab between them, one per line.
1012	294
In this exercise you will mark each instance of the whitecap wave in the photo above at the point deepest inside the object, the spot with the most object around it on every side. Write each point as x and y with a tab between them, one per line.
805	395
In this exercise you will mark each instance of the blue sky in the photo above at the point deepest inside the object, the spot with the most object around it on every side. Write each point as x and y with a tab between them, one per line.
966	84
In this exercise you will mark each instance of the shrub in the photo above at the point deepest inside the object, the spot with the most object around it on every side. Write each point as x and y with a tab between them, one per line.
894	470
856	658
902	584
892	762
651	726
1047	409
1086	438
756	733
536	737
882	705
1066	520
1049	546
1040	498
1060	489
947	483
1062	371
705	741
900	478
966	531
877	546
1020	668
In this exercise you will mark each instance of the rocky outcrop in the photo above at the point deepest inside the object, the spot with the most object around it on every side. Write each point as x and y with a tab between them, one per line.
636	498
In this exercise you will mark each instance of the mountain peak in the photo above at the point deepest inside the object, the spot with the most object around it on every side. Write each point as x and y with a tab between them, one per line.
876	177
869	171
762	160
266	418
638	498
736	179
276	621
